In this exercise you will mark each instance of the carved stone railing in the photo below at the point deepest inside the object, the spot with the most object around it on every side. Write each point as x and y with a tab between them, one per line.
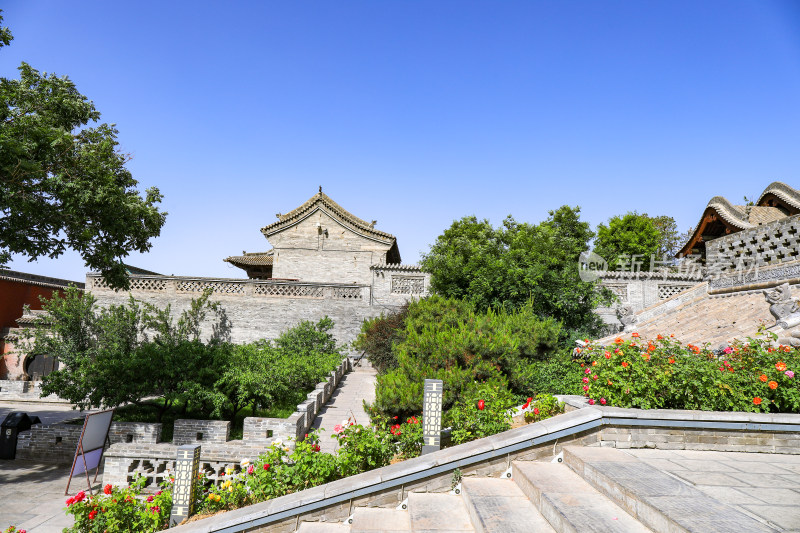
236	287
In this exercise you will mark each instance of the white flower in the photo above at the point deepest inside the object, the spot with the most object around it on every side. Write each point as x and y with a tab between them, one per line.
244	463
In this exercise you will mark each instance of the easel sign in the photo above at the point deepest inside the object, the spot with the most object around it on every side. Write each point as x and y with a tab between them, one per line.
89	452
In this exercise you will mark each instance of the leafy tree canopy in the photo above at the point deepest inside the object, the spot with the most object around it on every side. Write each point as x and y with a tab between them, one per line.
63	182
669	238
628	241
516	263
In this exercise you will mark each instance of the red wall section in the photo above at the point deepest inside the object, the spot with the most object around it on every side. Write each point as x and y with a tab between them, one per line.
15	294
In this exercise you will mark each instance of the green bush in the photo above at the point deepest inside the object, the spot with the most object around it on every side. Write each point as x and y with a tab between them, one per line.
749	375
447	339
121	509
378	337
483	410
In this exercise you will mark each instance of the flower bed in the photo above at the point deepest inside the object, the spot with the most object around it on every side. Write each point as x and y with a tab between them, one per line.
752	375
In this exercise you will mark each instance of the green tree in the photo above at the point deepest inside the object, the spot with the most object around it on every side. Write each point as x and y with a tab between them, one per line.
629	239
506	267
63	182
128	352
669	238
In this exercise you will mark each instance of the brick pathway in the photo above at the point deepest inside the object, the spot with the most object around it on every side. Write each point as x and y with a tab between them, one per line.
347	402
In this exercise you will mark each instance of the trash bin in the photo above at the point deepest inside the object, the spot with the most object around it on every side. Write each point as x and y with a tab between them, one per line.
14	422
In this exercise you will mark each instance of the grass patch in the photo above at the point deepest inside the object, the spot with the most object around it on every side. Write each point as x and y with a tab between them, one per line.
148	412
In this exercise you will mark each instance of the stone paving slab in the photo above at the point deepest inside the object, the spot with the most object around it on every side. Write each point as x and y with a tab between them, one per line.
763	486
345	403
32	496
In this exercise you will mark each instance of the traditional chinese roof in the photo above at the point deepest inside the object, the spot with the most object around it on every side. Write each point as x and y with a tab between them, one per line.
323	201
251	259
721	217
39	281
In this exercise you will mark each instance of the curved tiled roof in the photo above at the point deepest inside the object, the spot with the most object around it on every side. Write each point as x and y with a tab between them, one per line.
251	259
786	193
742	217
322	199
395	266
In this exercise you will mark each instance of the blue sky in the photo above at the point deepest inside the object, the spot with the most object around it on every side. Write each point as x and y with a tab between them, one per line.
419	113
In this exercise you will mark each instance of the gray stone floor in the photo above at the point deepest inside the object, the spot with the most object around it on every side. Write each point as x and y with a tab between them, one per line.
347	403
764	486
32	496
48	413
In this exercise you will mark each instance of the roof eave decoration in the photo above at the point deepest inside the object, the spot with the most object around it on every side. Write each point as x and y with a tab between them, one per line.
319	201
719	208
785	193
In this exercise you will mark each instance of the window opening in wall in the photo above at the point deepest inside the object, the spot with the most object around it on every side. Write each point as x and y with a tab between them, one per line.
199	436
59	439
128	438
269	433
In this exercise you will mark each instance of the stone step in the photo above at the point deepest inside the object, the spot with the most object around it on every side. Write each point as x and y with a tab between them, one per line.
654	498
499	506
569	503
323	527
379	520
430	511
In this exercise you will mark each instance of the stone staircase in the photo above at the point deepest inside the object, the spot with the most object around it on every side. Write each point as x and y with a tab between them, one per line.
594	489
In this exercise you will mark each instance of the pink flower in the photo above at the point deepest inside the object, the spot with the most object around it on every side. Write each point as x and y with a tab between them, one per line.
338	428
586	387
789	374
588	371
602	401
591	402
586	380
727	350
250	470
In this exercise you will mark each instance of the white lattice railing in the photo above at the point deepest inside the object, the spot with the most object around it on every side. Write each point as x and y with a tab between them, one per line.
169	285
667	291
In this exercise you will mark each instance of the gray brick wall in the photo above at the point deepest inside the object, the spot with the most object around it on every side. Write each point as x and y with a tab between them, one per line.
766	245
201	432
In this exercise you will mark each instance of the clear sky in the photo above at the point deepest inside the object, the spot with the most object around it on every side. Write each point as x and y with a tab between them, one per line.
418	113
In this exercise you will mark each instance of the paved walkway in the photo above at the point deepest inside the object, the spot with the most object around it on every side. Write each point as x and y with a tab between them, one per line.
346	402
763	485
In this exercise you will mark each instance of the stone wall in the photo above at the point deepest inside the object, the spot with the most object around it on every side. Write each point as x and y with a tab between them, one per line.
261	309
765	245
641	290
56	443
200	432
28	391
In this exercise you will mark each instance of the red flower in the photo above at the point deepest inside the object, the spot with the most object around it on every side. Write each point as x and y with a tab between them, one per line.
155	509
70	501
780	366
107	489
149	499
608	355
92	515
266	466
591	402
659	337
395	429
634	334
671	360
159	492
536	410
481	405
757	400
763	377
773	385
602	401
624	364
618	341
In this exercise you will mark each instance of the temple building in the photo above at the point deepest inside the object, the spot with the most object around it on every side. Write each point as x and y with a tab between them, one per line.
320	241
721	217
324	261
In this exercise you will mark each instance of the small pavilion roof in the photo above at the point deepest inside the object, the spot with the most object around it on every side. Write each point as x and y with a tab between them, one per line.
251	259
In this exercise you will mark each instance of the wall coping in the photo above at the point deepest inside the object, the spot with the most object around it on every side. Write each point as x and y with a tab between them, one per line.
584	418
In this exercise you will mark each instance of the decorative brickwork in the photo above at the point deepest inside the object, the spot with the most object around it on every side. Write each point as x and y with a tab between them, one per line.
408	285
765	245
